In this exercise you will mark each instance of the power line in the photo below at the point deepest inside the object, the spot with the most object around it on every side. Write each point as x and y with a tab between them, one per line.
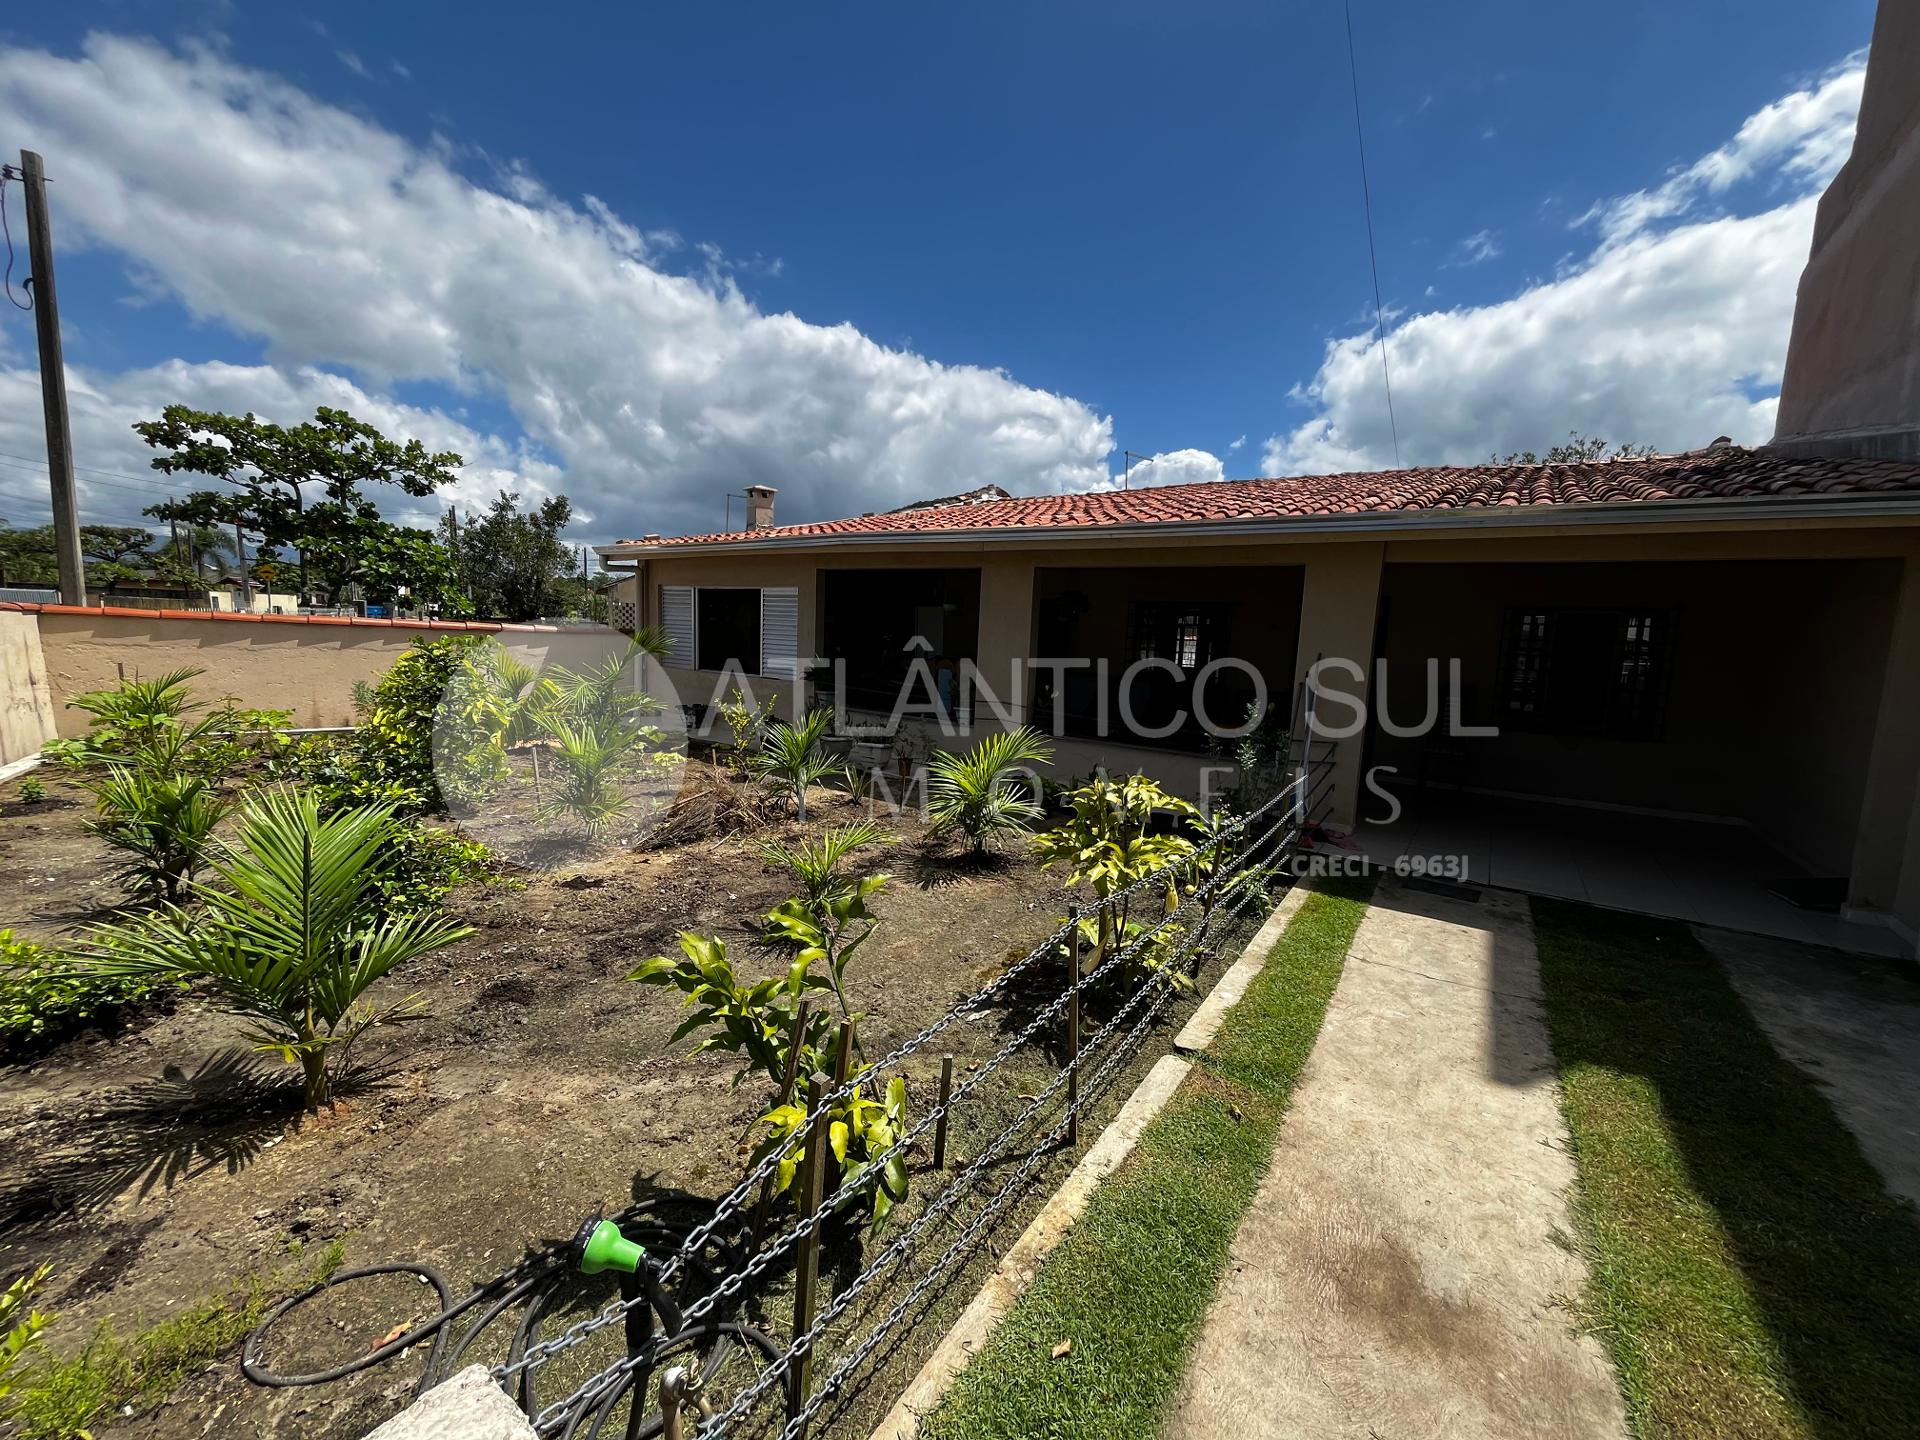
96	470
1373	258
8	172
89	481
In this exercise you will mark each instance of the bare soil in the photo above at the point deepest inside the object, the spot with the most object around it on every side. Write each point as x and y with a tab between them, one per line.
156	1165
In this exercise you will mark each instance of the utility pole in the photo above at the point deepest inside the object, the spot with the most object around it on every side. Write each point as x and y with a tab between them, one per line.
240	559
53	384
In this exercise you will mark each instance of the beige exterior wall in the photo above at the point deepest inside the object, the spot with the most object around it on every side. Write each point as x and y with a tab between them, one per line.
26	702
306	667
1797	702
1852	382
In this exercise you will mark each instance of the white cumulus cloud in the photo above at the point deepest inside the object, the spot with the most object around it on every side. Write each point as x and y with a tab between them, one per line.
1671	330
1176	467
361	260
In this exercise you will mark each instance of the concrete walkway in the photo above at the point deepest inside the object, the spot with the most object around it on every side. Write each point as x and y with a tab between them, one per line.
1852	1022
1398	1277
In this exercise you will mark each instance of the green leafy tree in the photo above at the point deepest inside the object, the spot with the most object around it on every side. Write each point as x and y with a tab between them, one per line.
115	554
513	562
26	555
1575	449
192	555
304	486
398	563
284	938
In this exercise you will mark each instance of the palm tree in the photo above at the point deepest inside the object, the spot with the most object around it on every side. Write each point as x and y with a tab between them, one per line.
984	793
793	757
289	938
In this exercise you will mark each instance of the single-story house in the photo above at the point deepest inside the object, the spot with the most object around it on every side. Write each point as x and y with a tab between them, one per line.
1732	633
1728	637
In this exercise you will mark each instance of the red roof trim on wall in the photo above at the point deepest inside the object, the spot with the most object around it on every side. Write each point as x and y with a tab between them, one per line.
486	626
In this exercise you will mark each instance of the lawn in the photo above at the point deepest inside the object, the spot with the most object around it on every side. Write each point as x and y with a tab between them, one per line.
1132	1281
1749	1271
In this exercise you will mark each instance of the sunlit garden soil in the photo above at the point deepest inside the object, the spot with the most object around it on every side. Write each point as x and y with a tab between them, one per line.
155	1166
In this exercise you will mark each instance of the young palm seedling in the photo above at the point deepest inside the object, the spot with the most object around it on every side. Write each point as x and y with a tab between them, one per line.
290	937
986	793
162	819
794	758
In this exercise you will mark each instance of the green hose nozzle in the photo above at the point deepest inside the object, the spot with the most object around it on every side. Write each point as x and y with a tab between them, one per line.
603	1247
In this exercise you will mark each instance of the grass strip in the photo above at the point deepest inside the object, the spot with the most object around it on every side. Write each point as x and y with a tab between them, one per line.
1749	1270
1132	1280
57	1398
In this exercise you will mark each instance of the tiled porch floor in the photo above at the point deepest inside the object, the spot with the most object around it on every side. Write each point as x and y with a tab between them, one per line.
1705	873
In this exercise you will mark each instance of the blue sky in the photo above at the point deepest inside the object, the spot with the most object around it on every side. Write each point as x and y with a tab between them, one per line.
1141	223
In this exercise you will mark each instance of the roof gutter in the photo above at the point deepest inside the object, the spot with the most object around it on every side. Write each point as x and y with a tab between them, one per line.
1474	518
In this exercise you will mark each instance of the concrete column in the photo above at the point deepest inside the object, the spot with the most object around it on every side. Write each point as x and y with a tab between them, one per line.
1889	815
1006	633
1338	605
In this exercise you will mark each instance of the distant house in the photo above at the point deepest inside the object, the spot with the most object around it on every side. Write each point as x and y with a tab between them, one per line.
1729	634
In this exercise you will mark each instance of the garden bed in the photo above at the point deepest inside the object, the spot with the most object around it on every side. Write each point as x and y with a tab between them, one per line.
154	1166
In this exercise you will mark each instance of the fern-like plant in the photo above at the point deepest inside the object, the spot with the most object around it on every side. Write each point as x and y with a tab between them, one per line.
283	938
794	758
985	793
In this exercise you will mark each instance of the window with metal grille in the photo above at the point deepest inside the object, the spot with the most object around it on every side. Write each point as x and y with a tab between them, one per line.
1578	671
1188	635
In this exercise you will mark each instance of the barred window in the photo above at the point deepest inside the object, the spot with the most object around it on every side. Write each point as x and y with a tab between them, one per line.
1573	671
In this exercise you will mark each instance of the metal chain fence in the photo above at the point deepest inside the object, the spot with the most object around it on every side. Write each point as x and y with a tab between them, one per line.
1134	977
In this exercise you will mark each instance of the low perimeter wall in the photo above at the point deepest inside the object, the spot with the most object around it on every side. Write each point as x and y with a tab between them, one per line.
304	663
26	703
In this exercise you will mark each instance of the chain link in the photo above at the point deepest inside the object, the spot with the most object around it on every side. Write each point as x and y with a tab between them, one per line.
1288	803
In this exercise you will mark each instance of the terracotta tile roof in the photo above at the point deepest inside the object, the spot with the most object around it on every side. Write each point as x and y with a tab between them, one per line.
1727	473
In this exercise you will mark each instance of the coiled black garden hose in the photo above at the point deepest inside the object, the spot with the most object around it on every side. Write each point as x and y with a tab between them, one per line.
531	1285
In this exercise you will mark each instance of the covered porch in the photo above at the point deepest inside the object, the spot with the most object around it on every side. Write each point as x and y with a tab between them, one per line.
1723	875
1687	738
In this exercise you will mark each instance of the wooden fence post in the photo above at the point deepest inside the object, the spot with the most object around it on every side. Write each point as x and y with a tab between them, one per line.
807	1268
940	1125
1073	1025
796	1041
843	1053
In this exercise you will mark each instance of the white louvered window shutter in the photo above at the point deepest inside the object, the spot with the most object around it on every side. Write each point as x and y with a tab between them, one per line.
676	619
779	632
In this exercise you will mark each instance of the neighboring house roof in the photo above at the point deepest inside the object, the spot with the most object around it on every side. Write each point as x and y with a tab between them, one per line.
1723	473
982	496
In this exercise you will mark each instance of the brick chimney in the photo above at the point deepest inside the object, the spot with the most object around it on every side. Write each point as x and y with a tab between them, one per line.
760	506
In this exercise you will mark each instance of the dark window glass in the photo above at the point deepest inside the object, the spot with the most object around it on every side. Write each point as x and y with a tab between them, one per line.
1188	635
728	628
1569	671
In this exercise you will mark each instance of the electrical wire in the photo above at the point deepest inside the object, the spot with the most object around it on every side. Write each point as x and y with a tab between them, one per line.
1373	258
7	173
92	470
